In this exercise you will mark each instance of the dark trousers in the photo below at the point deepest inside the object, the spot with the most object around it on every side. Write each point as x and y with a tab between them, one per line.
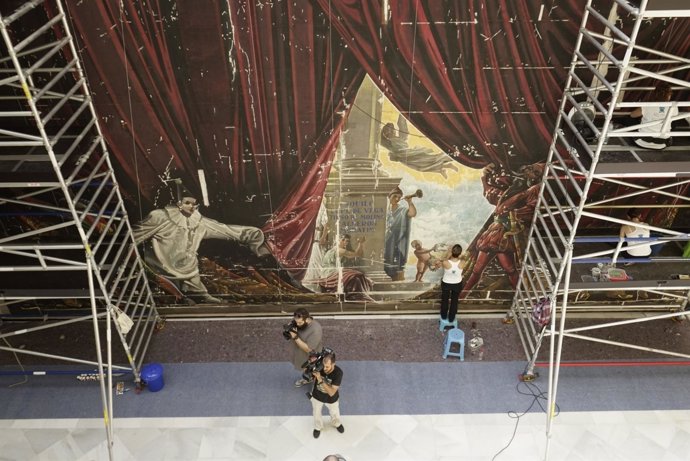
449	292
630	121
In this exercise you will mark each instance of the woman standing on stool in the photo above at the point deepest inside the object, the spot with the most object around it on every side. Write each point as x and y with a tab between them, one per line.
451	285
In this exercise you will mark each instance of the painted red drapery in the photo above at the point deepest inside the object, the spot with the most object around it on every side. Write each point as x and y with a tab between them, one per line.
253	96
297	80
460	73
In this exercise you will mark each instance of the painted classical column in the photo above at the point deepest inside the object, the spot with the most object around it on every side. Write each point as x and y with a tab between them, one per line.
356	195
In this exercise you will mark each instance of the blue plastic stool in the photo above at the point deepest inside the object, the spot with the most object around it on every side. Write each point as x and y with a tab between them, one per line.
442	324
454	336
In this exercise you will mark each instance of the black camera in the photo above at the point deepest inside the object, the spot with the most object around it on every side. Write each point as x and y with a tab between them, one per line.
288	328
315	362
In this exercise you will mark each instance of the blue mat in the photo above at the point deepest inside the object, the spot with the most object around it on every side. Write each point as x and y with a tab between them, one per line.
266	389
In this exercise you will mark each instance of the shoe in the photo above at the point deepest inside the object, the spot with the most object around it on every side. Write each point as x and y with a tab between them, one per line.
446	325
650	144
187	301
316	433
340	429
301	382
208	299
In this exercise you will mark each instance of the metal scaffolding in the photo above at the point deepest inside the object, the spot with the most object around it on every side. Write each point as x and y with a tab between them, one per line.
65	233
591	152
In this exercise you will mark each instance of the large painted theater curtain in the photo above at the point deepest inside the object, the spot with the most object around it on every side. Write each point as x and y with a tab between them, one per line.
254	95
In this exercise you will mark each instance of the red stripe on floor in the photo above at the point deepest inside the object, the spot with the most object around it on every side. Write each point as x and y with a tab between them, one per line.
616	364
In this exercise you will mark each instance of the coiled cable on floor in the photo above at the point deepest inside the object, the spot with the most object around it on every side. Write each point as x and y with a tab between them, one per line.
538	397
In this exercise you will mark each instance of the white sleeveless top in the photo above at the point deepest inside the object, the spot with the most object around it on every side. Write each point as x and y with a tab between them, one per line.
454	274
644	250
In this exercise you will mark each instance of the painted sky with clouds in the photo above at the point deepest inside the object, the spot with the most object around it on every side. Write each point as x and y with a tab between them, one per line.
452	210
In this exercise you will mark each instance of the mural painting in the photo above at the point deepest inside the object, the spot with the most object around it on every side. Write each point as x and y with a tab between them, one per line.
315	151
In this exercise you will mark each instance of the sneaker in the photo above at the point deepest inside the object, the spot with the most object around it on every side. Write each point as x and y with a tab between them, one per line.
651	143
301	382
340	429
316	433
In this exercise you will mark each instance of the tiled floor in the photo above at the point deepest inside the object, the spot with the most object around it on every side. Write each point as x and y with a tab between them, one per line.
635	435
576	436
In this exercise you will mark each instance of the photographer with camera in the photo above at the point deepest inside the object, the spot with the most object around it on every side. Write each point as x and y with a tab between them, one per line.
305	334
327	379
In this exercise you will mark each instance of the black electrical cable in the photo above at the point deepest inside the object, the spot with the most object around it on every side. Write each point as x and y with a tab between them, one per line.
19	362
537	396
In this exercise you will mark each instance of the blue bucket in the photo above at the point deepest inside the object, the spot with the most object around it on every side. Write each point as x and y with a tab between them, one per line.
152	376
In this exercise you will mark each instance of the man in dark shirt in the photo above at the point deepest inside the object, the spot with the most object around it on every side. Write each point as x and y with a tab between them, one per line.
325	392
